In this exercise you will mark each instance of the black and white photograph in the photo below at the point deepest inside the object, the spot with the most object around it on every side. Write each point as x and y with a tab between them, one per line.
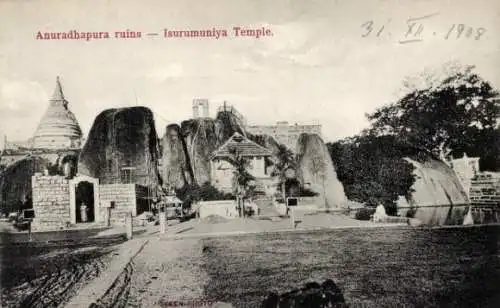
249	153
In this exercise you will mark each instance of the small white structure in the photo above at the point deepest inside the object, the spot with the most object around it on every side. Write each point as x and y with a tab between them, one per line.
223	208
468	220
380	214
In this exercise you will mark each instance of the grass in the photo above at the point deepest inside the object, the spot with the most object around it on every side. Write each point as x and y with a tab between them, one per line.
374	268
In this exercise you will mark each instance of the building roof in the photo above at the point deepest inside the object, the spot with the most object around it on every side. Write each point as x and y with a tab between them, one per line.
244	146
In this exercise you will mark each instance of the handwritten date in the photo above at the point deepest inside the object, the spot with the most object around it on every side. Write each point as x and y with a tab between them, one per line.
416	30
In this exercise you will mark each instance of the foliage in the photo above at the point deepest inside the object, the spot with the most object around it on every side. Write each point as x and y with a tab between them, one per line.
206	192
412	211
295	189
372	170
241	177
457	115
285	160
364	214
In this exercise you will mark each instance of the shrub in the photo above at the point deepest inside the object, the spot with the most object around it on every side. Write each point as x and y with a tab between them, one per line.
364	214
206	192
411	212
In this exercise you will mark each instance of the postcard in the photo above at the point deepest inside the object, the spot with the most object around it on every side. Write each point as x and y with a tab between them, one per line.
250	153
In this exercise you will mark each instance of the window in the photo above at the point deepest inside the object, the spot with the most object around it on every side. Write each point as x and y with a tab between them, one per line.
110	165
127	175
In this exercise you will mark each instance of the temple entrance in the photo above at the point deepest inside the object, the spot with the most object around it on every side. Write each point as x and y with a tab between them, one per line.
84	201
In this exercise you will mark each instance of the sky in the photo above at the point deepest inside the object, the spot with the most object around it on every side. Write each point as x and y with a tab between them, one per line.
321	63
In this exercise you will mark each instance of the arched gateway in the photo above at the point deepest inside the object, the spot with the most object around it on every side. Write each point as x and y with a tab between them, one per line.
84	199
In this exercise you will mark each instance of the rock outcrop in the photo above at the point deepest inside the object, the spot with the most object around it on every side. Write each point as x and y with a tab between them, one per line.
315	167
175	167
201	140
119	138
203	136
15	183
436	184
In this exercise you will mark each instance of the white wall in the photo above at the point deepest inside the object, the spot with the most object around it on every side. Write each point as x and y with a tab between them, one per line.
224	208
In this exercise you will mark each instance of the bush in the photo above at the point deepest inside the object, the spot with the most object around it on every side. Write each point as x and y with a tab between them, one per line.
372	169
364	214
206	192
411	212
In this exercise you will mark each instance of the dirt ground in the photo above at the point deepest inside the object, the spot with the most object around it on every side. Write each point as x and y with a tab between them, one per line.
48	274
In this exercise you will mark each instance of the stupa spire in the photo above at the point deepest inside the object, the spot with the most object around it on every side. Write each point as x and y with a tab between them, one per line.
58	93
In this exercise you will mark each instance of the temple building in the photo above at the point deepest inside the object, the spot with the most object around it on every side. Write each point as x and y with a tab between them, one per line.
222	171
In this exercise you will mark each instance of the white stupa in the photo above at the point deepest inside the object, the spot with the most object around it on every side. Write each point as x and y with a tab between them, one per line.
58	128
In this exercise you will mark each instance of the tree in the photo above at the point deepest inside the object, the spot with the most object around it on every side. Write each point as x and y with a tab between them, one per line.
285	160
372	169
241	177
457	114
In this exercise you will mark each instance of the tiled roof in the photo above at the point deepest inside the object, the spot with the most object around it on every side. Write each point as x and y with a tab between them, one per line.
245	147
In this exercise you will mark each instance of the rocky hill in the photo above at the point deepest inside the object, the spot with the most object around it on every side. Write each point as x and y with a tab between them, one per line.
175	163
15	183
315	167
124	137
436	184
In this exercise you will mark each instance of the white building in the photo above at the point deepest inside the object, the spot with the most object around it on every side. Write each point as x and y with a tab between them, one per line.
285	133
222	171
200	108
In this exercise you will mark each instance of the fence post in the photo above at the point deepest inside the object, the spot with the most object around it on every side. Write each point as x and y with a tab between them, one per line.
163	222
130	228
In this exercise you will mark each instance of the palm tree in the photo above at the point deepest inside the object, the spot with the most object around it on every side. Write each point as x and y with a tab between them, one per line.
241	177
285	160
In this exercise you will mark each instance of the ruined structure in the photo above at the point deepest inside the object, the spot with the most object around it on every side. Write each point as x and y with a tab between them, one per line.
200	108
284	133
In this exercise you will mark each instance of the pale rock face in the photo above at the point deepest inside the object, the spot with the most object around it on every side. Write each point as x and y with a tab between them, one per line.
315	167
175	169
436	184
58	127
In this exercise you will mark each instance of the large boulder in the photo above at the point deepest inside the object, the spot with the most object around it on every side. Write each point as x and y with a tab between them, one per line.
119	138
201	140
226	124
205	135
15	183
437	197
175	167
315	167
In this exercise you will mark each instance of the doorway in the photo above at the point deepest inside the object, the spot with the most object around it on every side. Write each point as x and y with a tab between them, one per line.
84	202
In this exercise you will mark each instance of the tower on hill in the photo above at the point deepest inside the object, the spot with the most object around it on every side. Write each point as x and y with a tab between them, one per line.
200	108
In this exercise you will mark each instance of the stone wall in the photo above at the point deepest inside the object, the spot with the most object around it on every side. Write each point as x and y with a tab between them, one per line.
485	190
124	198
50	202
